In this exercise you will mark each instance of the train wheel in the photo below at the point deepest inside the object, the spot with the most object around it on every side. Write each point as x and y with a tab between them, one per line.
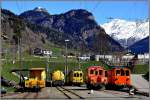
109	87
103	87
119	87
79	85
36	89
88	86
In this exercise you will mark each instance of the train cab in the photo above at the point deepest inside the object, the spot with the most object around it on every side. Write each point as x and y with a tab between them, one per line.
36	79
119	77
76	77
96	77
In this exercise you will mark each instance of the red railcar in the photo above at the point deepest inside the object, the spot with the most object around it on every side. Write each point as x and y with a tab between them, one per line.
119	78
96	77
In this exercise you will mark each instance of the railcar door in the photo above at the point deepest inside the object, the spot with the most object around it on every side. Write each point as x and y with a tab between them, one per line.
117	75
128	79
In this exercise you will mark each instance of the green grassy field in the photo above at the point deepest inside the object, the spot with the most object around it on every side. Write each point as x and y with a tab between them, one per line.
141	69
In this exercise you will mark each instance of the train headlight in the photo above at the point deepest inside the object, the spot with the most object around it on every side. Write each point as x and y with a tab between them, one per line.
26	84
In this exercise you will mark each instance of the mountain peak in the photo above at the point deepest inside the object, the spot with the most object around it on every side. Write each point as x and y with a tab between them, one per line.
126	32
40	9
81	13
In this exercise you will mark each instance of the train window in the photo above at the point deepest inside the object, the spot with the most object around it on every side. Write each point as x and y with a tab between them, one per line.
96	72
127	73
80	74
77	74
91	71
106	74
117	72
100	72
122	72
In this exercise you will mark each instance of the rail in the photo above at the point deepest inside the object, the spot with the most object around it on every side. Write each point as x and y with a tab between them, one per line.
63	90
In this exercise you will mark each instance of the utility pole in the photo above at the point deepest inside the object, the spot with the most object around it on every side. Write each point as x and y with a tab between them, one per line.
47	65
66	55
19	51
78	59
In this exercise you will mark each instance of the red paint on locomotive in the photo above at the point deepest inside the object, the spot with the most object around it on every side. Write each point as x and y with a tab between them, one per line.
119	77
96	76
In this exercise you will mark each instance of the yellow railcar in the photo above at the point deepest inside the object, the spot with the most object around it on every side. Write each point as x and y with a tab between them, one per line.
76	77
36	79
58	78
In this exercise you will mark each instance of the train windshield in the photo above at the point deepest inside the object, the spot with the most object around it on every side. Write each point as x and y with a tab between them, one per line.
127	72
106	74
117	72
91	71
96	72
80	74
100	72
77	74
122	72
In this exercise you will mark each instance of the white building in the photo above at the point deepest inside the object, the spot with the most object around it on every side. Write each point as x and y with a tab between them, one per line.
84	58
127	56
98	57
143	58
47	53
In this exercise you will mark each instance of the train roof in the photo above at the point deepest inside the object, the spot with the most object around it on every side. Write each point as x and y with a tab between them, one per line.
57	71
112	67
77	71
37	69
118	66
76	68
96	67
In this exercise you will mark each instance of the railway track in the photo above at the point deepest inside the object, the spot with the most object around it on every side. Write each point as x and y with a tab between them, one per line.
69	94
25	95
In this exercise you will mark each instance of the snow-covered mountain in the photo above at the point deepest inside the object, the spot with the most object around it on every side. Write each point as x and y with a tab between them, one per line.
127	32
40	9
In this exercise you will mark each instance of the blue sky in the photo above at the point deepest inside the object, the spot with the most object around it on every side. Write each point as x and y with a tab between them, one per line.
102	10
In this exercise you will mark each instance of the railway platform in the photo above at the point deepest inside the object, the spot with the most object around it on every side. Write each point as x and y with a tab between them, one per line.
140	84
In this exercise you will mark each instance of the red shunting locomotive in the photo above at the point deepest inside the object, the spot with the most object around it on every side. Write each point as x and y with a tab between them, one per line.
96	77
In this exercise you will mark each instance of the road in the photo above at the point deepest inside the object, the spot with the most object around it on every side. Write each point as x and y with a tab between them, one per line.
53	93
140	83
